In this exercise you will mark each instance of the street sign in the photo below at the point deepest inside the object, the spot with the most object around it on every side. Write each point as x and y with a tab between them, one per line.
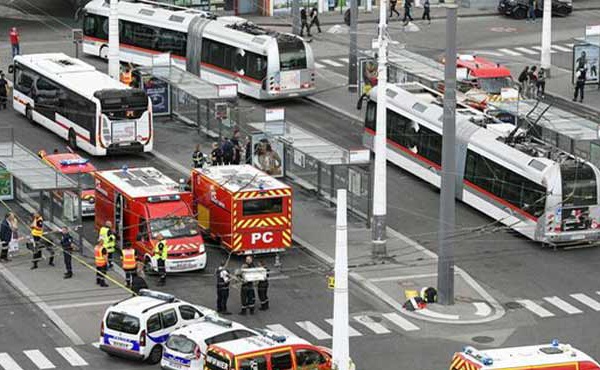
77	35
227	91
359	156
6	185
274	114
221	111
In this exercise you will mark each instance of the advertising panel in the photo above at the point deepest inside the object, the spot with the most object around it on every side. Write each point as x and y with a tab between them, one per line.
158	92
6	185
267	154
586	56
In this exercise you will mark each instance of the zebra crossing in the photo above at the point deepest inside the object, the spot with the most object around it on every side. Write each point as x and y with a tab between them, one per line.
517	51
58	358
575	304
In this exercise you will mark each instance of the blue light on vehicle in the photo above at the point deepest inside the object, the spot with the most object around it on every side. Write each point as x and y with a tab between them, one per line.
555	342
486	360
73	162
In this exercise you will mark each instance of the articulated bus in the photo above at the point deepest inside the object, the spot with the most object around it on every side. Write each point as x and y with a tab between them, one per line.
265	64
82	105
539	191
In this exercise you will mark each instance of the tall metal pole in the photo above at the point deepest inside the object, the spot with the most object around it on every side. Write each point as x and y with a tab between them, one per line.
379	238
352	66
341	331
296	17
113	39
448	185
546	37
369	6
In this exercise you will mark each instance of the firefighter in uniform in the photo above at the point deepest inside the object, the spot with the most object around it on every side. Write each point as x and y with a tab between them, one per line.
104	231
160	253
198	158
129	265
110	243
263	287
223	281
247	290
37	231
101	261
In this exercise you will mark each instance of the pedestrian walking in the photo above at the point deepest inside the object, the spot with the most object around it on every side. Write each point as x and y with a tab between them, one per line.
393	4
37	231
304	23
198	158
262	288
426	11
531	5
13	246
216	156
247	290
138	281
541	83
580	84
5	237
4	91
160	253
407	8
101	262
223	282
523	76
532	81
15	40
128	261
68	247
314	19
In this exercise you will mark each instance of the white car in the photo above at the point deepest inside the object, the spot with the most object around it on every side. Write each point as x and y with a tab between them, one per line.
186	347
137	327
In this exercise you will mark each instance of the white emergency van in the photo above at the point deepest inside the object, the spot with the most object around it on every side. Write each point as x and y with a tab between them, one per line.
137	327
186	347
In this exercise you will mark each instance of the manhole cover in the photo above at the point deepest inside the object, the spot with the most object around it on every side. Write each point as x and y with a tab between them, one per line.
513	305
482	339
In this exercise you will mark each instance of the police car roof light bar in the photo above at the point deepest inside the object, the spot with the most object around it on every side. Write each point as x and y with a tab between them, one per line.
158	295
218	320
72	162
488	361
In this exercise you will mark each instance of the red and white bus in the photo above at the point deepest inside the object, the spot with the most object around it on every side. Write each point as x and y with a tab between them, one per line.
88	108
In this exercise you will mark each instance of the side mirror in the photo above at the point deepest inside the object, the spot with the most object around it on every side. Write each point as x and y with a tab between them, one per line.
11	68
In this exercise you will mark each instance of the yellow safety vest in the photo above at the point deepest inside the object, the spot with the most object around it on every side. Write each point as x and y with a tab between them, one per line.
160	251
99	257
103	232
110	242
128	259
126	78
38	227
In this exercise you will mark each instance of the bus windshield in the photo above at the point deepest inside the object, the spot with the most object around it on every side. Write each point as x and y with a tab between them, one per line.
215	361
174	227
578	184
494	85
123	104
292	54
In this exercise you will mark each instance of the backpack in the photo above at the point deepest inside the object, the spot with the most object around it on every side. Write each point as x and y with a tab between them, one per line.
415	303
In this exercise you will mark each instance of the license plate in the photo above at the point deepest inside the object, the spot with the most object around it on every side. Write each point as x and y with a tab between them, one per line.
119	344
183	265
176	365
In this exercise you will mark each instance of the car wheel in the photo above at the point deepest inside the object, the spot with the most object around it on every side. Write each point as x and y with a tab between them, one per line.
148	265
29	114
72	139
155	355
520	13
104	52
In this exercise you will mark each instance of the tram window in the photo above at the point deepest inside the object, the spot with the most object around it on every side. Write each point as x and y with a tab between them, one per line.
172	41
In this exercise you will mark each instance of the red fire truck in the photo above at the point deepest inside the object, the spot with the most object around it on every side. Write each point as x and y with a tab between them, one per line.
246	209
142	203
554	356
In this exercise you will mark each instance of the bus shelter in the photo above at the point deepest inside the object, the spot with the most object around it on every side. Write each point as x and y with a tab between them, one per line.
37	186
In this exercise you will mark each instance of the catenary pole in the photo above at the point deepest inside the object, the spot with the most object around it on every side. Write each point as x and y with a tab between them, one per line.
546	61
113	39
341	331
379	238
448	173
353	57
296	17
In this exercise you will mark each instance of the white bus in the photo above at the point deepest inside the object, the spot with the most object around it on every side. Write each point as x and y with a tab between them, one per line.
539	191
265	64
88	108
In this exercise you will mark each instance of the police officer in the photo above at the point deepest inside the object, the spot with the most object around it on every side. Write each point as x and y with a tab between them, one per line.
198	158
262	288
247	290
160	253
66	242
101	260
129	265
223	280
37	231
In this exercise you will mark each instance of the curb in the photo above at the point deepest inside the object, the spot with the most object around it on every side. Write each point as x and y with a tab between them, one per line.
568	102
333	108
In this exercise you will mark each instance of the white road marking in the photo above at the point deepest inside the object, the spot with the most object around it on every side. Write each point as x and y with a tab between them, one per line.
539	48
344	60
483	309
313	330
7	362
375	327
280	329
565	306
526	51
570	46
83	304
509	52
400	321
561	48
404	277
331	62
535	308
39	359
351	331
592	303
96	344
71	356
319	65
437	315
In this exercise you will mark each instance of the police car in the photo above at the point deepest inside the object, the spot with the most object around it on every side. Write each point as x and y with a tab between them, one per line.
137	327
186	347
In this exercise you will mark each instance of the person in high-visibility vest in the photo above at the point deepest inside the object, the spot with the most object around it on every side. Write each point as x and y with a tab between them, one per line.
110	243
127	76
37	231
104	231
101	261
129	265
160	253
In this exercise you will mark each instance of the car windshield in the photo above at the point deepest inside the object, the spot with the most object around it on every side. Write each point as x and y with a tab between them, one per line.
494	85
180	344
85	179
175	227
122	323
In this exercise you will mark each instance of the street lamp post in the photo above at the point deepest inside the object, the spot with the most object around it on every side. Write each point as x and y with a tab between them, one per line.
113	39
546	37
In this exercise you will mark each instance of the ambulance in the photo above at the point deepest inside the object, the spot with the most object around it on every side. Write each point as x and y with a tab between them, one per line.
553	356
247	210
142	203
80	170
267	352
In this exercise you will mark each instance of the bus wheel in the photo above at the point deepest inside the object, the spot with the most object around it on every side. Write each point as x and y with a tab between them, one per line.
29	114
72	139
104	52
155	355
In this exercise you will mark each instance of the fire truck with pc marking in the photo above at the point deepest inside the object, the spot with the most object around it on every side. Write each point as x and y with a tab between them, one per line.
142	203
243	207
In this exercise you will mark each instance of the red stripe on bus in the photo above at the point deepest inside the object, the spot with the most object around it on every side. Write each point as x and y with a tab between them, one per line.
223	70
127	46
76	133
466	182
